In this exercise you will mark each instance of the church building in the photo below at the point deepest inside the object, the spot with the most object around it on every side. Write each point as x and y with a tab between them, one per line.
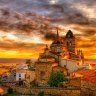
61	55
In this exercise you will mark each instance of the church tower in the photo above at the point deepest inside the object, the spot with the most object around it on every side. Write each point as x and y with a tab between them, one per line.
56	45
70	42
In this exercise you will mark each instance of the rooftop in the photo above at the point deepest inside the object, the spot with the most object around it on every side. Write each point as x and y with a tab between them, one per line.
87	75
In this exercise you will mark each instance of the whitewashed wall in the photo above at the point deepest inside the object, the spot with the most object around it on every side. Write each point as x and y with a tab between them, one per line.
70	65
22	76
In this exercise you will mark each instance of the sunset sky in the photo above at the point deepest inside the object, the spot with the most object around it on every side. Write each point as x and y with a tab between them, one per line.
27	25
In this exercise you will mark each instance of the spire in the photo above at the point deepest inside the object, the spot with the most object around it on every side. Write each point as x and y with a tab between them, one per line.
57	34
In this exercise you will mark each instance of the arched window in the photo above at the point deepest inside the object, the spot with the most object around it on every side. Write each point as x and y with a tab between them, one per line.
68	35
70	43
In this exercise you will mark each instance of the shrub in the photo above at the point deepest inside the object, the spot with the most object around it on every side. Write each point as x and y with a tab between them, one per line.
10	91
41	93
56	78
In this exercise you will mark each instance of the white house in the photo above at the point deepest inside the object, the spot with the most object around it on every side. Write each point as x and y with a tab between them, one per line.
20	74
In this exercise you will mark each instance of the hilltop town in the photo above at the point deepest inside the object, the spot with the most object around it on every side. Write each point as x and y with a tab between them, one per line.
78	77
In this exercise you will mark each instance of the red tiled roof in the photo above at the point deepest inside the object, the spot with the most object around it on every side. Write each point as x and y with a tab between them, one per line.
93	65
85	72
88	75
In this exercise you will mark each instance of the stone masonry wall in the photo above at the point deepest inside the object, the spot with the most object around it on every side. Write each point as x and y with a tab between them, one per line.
88	89
47	69
53	91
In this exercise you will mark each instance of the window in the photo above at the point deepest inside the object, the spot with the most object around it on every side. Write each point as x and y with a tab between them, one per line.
42	75
19	79
70	44
19	75
14	75
64	66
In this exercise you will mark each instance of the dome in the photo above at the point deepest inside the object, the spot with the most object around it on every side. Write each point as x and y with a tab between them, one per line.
57	42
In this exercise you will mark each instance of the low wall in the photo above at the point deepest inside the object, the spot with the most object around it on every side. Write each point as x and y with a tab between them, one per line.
55	91
47	90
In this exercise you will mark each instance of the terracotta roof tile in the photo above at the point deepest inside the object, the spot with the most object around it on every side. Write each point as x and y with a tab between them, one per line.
88	75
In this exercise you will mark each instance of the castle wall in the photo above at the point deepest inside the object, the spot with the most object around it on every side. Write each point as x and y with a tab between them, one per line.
53	91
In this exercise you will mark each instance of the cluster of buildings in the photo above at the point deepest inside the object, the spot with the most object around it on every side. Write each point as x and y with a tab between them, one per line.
20	73
60	56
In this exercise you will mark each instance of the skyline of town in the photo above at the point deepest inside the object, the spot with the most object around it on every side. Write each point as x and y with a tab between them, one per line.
48	47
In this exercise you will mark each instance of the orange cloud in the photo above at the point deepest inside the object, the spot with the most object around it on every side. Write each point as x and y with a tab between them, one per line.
24	34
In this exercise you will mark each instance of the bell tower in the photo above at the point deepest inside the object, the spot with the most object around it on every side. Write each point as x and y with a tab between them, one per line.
70	42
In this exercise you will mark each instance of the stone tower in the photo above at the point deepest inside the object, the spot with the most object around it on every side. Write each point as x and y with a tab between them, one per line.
56	45
70	42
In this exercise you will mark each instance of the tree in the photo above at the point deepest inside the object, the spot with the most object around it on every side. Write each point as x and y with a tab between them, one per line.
29	62
56	78
10	91
41	93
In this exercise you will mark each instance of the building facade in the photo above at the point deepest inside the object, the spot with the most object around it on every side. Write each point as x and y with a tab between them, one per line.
60	55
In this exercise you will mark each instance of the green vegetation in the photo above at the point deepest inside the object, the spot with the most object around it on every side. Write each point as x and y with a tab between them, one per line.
18	95
41	93
10	95
34	83
0	77
56	78
25	95
10	91
30	64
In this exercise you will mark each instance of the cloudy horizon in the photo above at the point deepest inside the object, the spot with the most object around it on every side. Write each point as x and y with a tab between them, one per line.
27	25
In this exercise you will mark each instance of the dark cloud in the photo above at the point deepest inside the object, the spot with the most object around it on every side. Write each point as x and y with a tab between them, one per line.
50	36
13	45
62	12
40	18
90	32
